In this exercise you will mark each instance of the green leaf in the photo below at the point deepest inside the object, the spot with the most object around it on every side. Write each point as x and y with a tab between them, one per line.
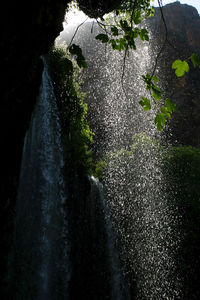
136	32
124	24
195	60
137	17
81	62
165	111
102	37
115	31
132	44
75	50
156	93
181	67
170	105
144	35
147	78
80	59
113	43
160	121
122	43
155	79
145	103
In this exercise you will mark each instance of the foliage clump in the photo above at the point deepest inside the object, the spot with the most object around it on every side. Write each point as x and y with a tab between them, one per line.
73	110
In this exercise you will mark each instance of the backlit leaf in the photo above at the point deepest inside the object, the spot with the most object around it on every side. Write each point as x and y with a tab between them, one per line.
137	17
156	93
170	105
160	121
145	103
181	67
155	79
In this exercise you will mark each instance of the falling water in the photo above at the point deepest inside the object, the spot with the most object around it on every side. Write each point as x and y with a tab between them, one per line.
41	243
137	206
118	287
142	209
114	113
146	219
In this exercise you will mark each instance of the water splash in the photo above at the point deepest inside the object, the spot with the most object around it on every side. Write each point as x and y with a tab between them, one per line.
114	113
146	220
141	204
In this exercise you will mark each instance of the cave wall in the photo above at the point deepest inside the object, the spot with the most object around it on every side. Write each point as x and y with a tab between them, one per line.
27	32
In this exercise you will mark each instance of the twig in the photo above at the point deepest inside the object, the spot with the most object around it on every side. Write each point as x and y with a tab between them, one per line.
126	50
76	31
166	37
102	26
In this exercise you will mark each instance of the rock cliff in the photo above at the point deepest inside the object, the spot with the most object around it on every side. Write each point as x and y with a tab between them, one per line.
183	39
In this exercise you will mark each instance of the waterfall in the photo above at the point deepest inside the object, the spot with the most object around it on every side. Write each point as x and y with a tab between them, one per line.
138	198
118	287
41	244
146	219
78	238
46	236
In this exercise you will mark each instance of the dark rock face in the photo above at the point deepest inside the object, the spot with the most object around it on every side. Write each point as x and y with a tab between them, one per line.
183	39
27	33
182	20
96	9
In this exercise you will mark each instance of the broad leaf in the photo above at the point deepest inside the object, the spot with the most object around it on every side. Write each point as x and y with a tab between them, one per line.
80	59
102	37
145	103
170	105
75	50
81	62
156	93
137	17
136	32
160	121
155	79
115	30
144	35
181	67
124	24
165	111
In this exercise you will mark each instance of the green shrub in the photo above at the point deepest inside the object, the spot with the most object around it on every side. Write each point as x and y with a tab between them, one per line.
72	108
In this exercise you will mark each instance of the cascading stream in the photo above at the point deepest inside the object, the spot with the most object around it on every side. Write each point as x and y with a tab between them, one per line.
118	286
137	192
138	204
41	255
41	244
